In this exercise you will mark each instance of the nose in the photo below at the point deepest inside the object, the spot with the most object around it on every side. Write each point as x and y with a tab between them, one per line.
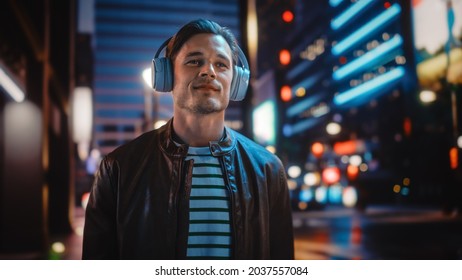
208	70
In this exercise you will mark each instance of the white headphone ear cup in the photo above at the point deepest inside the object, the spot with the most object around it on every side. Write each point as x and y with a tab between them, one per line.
233	91
239	83
162	74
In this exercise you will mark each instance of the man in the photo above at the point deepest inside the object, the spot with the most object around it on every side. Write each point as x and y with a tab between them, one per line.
193	189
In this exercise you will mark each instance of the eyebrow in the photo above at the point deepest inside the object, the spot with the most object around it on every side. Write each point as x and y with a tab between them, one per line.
194	54
191	54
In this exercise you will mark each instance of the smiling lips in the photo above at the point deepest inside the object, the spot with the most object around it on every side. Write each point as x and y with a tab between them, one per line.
207	87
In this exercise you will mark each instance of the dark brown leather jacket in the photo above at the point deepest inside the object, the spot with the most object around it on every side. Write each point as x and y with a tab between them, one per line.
139	203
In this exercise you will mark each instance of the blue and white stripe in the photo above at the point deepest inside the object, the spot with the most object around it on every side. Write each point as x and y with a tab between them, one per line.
209	215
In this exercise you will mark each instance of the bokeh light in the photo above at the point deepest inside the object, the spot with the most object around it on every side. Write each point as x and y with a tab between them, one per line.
350	196
286	93
284	57
287	16
58	247
294	171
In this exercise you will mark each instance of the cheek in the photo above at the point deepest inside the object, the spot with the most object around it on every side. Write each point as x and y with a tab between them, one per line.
181	77
227	79
180	80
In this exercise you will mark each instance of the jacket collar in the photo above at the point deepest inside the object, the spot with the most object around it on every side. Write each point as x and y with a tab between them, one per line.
170	147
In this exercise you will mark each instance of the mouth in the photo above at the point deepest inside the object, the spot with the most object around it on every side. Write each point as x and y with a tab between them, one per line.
207	87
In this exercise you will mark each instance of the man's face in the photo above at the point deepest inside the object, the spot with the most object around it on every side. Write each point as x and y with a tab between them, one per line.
203	71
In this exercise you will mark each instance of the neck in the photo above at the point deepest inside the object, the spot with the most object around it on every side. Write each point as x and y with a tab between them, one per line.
199	130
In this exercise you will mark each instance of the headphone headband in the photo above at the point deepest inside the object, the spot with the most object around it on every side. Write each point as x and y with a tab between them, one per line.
164	44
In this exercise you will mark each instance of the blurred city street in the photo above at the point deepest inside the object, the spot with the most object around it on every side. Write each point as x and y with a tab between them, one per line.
379	232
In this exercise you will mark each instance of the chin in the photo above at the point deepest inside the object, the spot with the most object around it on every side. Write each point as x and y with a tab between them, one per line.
213	102
210	106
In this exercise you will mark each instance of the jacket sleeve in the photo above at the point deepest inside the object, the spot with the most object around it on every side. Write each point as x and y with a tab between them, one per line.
281	230
100	235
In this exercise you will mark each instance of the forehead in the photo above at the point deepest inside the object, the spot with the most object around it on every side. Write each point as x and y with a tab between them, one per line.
206	43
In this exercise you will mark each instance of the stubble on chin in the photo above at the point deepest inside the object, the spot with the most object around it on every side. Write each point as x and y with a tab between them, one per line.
202	103
208	106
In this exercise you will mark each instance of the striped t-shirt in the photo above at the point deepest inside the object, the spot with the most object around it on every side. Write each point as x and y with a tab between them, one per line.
209	217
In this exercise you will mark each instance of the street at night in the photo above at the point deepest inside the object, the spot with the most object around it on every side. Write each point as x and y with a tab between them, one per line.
358	102
378	232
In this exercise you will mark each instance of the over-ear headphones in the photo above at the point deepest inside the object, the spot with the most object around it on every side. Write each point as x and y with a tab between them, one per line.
162	74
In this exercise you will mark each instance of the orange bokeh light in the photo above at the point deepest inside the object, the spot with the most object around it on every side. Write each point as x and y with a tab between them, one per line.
453	158
352	172
346	147
284	57
287	16
286	93
317	149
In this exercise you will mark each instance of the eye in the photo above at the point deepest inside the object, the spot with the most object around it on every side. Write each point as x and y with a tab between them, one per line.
222	65
193	62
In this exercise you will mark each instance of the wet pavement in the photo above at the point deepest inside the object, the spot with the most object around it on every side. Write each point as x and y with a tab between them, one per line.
379	232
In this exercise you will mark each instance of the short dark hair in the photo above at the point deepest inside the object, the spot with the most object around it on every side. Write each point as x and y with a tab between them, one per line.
200	26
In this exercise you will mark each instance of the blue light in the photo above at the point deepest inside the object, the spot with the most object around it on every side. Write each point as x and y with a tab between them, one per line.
349	13
306	195
335	3
299	69
304	104
366	60
119	56
366	29
111	42
367	156
405	191
370	86
289	130
304	125
119	99
335	194
309	82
